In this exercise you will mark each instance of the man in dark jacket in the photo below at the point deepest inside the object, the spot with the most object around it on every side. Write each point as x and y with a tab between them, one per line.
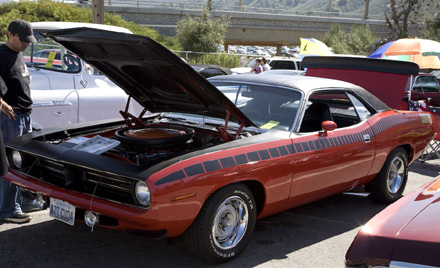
16	106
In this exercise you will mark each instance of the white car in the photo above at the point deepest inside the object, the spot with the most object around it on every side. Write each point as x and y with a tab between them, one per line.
276	63
67	90
282	71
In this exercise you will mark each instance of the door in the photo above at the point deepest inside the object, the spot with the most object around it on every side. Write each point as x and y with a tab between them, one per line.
55	100
328	163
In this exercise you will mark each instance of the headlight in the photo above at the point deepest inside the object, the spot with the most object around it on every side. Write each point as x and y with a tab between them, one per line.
142	193
17	159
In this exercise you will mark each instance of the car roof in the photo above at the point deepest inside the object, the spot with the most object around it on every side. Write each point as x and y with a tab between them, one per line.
57	25
211	66
306	84
426	74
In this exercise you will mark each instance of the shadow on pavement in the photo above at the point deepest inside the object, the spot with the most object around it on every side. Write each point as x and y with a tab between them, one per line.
429	168
54	244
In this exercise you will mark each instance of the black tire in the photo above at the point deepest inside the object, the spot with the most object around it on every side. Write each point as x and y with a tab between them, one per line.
224	225
390	182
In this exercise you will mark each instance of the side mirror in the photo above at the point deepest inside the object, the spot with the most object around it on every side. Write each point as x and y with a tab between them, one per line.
327	126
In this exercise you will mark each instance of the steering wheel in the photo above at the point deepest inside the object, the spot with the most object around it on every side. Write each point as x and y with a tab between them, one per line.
255	116
71	62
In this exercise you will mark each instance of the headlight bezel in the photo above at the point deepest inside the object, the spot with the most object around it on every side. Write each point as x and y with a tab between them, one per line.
16	159
142	193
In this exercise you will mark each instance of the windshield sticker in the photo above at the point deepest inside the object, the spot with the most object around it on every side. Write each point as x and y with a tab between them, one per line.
426	118
50	60
270	124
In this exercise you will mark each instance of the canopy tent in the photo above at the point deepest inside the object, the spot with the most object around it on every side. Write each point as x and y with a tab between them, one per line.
313	47
424	52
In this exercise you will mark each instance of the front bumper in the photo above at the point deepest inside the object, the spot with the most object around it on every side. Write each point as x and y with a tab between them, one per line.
137	221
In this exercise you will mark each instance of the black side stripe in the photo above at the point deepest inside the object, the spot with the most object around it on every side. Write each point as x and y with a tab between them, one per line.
280	151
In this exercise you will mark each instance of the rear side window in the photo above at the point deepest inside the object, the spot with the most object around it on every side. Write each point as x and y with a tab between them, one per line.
344	109
282	64
426	84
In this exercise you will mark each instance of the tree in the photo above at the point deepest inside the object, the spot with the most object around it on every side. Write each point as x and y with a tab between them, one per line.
360	40
357	42
432	30
403	13
336	39
201	34
48	10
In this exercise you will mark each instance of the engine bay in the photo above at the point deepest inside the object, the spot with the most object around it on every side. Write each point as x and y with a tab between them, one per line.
142	145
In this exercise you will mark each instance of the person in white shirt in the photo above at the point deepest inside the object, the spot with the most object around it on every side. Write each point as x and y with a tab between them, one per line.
265	65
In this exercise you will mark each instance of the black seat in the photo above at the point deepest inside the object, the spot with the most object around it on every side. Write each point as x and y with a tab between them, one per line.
315	114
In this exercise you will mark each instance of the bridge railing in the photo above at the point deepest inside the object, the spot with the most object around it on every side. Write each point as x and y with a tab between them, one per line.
248	9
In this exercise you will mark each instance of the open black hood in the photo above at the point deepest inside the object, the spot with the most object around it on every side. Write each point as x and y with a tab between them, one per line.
149	72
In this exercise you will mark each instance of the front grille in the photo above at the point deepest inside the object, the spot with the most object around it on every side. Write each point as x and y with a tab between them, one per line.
50	171
107	186
110	187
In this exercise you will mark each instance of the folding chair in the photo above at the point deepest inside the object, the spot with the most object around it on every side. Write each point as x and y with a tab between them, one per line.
433	149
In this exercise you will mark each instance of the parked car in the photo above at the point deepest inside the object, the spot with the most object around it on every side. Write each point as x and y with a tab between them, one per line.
209	70
402	235
285	72
436	73
276	63
220	155
425	87
68	90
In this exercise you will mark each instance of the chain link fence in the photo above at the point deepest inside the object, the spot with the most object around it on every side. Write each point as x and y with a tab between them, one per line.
221	59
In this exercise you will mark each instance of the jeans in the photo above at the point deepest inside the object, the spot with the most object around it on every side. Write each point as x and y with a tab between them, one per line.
10	194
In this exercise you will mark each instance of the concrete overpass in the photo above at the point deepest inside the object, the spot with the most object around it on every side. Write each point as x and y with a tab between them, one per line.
248	28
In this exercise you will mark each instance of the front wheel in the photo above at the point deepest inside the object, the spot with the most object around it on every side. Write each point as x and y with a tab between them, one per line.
224	226
390	182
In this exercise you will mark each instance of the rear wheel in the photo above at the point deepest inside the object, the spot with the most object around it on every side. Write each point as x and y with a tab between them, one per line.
224	226
390	182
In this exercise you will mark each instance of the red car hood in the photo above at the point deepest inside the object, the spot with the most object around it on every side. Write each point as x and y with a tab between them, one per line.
419	240
150	73
406	231
386	79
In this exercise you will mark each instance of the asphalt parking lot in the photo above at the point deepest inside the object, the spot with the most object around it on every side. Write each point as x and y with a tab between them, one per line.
313	235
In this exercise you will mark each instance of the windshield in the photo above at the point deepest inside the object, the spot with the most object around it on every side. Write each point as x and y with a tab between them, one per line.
267	107
46	54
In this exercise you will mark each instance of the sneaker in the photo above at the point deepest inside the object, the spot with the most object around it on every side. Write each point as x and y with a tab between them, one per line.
36	204
19	218
31	209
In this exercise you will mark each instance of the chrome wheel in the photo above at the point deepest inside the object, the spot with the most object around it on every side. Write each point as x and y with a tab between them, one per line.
230	222
224	225
396	175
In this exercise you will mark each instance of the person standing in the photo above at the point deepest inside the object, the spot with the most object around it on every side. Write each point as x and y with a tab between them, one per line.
265	66
257	67
16	106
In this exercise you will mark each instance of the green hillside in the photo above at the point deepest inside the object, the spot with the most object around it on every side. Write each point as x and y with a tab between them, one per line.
353	8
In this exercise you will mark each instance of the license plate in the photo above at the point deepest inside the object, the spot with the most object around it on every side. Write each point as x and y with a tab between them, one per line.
62	211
